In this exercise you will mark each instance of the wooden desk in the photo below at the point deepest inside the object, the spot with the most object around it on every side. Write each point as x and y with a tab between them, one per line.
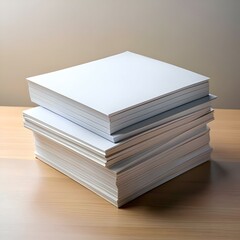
38	202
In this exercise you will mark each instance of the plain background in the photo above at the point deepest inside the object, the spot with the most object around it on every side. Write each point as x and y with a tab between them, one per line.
39	36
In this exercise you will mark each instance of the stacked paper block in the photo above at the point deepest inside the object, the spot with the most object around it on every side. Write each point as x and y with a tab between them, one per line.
121	125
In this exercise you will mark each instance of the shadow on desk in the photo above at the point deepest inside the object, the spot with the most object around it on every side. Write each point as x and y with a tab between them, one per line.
187	189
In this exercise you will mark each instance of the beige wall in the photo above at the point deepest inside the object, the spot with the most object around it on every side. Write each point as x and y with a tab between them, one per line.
38	36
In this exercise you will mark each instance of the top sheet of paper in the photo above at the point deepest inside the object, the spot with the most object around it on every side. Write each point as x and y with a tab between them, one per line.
117	83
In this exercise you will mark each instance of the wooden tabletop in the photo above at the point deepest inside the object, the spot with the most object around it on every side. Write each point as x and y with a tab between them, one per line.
38	202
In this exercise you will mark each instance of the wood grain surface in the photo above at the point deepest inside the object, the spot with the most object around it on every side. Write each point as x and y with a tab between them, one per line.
38	202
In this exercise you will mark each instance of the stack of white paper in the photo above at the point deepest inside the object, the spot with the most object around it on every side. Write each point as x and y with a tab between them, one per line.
121	125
